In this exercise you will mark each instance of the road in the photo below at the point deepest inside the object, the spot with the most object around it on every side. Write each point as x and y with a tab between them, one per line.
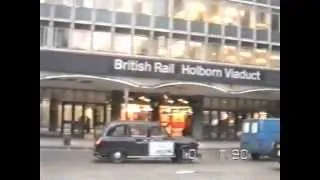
79	165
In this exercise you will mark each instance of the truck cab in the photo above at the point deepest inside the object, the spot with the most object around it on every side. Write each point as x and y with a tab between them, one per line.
259	135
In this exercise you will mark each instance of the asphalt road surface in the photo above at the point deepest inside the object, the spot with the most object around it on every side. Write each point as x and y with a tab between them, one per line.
80	165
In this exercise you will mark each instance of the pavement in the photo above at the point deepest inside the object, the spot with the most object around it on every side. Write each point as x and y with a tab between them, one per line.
60	164
57	143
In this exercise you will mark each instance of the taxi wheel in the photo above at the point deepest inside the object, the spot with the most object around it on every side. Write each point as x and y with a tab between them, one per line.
118	157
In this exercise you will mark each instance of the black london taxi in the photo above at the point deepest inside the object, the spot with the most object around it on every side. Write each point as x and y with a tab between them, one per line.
276	151
121	140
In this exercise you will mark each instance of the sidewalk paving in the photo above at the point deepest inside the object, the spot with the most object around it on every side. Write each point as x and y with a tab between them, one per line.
57	143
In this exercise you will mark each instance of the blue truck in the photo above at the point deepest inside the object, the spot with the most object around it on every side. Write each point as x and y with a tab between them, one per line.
259	136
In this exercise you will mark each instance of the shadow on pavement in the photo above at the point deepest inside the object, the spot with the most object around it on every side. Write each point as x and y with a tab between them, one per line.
144	161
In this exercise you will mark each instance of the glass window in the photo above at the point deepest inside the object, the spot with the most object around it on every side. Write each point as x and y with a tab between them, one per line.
247	17
124	5
254	127
81	39
161	44
196	50
231	14
215	103
275	55
160	7
103	4
189	9
214	118
122	43
212	14
206	102
118	131
61	2
43	36
275	22
61	37
101	41
262	19
143	7
138	130
140	45
157	131
246	56
229	54
178	48
261	57
246	127
206	117
84	3
213	51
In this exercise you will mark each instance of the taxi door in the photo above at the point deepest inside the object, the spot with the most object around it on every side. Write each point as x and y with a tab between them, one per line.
139	141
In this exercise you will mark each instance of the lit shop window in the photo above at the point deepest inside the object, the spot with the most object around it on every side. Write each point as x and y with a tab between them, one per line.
262	19
160	7
213	52
140	45
84	3
103	4
189	9
178	48
196	50
81	39
212	14
228	54
101	41
260	57
124	5
144	7
122	43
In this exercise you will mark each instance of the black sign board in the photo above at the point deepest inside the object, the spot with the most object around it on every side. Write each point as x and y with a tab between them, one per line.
102	65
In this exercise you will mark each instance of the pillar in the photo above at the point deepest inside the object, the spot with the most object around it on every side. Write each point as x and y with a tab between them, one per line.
53	120
117	99
197	117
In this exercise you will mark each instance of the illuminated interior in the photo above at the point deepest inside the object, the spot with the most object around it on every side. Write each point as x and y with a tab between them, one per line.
136	112
175	118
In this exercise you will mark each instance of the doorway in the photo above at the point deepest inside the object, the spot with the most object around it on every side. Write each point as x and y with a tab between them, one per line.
84	118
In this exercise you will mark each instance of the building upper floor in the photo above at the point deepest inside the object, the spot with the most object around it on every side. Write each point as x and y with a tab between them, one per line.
257	20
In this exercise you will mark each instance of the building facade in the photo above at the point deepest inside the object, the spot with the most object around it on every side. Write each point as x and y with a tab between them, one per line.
201	65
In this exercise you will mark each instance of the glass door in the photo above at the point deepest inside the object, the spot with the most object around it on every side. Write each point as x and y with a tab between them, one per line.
79	120
67	120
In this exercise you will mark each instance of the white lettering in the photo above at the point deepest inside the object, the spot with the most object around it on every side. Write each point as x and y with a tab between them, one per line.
132	65
199	70
164	68
244	74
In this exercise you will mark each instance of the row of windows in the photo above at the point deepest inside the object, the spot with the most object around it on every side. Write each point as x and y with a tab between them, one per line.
160	45
214	11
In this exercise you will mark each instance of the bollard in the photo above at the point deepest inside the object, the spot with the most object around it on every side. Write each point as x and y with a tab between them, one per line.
221	154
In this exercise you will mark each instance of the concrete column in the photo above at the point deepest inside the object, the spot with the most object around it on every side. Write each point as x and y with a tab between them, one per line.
197	117
126	101
53	120
116	100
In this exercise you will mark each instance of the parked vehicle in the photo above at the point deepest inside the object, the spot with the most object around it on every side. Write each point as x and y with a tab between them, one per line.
259	135
123	140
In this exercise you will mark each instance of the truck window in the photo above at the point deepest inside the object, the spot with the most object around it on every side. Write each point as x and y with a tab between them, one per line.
254	127
246	127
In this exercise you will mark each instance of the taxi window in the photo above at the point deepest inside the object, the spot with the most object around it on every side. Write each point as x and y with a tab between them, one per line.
138	130
157	131
117	131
